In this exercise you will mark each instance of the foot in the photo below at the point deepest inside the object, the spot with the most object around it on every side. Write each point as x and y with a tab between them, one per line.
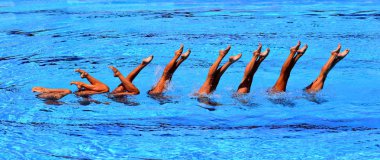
224	52
295	48
39	89
336	51
302	50
78	84
179	51
343	54
147	60
235	58
258	50
83	74
265	53
186	54
116	72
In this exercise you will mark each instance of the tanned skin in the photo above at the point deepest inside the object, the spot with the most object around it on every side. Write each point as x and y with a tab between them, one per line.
216	73
51	93
169	70
96	86
252	66
127	87
84	89
335	57
295	54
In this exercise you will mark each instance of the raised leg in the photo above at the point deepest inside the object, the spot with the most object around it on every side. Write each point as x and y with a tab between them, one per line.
84	74
169	71
223	69
216	73
214	68
132	75
129	87
335	57
251	68
183	58
295	54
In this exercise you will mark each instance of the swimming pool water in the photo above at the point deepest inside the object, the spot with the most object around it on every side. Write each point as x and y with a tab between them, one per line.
41	43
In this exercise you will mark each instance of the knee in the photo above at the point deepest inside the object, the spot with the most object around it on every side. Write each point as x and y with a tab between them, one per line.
67	92
135	91
106	88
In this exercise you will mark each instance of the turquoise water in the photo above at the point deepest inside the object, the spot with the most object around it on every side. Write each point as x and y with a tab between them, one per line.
41	43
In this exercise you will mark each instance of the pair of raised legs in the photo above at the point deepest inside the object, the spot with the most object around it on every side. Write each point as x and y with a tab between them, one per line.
295	54
280	86
169	70
216	72
251	68
127	87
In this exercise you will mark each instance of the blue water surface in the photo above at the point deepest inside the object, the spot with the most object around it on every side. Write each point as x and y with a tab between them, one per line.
42	42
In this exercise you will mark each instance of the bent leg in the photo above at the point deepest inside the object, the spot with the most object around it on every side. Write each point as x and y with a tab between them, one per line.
132	75
126	83
96	85
83	86
295	54
335	57
251	68
86	93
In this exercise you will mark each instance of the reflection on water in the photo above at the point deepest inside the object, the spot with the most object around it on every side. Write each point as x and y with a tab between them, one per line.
127	100
208	101
162	98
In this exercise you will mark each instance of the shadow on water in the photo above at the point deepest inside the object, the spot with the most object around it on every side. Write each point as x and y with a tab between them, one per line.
53	102
282	99
49	101
161	98
87	100
314	97
127	100
30	33
288	101
210	103
244	99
